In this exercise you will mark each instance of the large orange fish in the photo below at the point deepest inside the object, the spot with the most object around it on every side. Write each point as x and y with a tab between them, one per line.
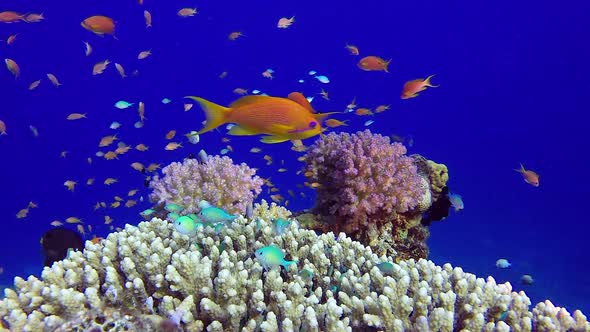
100	25
281	119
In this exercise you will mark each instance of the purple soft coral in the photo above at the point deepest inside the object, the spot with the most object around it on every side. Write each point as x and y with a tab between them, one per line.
218	181
363	174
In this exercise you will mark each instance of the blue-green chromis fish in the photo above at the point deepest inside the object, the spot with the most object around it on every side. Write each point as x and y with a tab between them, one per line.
281	225
385	267
306	275
186	225
215	215
456	201
173	216
121	104
172	207
147	213
271	256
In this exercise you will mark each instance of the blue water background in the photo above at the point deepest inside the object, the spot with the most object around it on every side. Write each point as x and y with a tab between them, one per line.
513	88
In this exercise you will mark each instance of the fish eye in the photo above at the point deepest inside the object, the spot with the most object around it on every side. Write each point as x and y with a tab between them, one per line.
313	124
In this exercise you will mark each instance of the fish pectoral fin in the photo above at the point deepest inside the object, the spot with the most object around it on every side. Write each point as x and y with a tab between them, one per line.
273	139
240	131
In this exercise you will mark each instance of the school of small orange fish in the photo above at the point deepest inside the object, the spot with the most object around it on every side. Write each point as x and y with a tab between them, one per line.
103	25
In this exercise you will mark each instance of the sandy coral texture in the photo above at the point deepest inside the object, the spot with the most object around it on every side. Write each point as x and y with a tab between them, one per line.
212	282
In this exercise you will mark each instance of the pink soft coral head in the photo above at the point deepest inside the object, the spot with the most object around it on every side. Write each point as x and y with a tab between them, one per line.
363	174
218	181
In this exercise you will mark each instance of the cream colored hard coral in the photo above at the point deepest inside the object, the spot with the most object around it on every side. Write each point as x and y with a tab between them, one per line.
213	282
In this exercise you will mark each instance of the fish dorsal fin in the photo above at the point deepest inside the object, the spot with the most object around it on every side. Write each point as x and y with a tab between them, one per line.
300	99
248	100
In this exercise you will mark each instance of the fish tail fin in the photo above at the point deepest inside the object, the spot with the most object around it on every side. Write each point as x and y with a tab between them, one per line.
292	19
386	66
521	169
216	114
427	82
287	263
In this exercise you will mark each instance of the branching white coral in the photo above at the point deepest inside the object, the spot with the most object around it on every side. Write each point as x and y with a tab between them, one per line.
212	282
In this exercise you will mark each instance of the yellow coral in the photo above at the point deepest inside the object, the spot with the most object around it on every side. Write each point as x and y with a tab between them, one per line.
269	212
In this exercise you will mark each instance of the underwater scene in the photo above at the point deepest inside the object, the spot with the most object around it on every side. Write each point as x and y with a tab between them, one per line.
201	165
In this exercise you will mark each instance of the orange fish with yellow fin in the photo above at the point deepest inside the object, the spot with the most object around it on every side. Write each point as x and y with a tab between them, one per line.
280	119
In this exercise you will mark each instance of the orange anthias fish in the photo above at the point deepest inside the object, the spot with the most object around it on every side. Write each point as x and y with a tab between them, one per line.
412	88
12	67
100	25
352	49
11	17
529	176
373	63
281	119
284	22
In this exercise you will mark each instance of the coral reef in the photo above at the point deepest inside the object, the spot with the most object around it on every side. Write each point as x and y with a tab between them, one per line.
369	189
218	181
437	174
152	276
273	211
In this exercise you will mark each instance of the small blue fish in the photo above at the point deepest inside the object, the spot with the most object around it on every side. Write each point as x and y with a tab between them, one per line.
301	81
34	131
115	125
224	151
322	79
166	101
203	157
121	104
271	256
502	263
138	124
503	315
213	215
306	275
281	225
219	227
147	213
173	216
186	226
309	99
385	267
193	137
369	122
172	207
456	202
527	279
203	203
312	72
255	91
